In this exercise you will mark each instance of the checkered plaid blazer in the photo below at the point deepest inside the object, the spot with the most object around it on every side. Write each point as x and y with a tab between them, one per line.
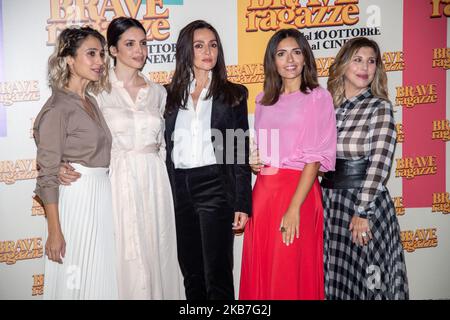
366	129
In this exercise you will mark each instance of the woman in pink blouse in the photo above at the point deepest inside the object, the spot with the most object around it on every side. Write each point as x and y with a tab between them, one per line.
296	138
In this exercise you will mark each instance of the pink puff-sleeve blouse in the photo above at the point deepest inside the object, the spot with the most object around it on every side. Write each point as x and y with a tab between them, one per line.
298	129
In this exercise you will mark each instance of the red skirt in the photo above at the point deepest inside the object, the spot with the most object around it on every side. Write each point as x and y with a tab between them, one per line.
270	269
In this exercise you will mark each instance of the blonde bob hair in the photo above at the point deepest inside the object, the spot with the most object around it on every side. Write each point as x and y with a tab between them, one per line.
69	40
340	64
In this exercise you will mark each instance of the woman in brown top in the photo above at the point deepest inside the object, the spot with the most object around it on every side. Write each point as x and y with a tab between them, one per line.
70	128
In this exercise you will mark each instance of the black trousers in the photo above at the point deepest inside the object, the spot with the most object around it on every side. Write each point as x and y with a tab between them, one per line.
204	233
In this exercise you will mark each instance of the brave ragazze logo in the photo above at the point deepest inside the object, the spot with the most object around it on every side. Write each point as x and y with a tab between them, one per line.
14	170
400	133
419	239
271	15
38	285
19	91
23	249
441	58
64	13
399	208
441	202
440	8
410	167
409	96
441	130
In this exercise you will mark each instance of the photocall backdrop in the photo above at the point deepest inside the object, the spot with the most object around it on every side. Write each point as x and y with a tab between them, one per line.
414	38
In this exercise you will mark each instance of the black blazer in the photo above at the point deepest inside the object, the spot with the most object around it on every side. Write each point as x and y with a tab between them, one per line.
236	177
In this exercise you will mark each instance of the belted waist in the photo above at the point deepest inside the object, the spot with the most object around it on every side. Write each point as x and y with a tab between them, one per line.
153	148
349	174
212	169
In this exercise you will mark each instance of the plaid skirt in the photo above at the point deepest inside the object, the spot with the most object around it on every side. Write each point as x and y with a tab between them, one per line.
375	271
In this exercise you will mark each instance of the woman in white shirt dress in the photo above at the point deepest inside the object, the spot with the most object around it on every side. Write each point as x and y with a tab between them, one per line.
142	201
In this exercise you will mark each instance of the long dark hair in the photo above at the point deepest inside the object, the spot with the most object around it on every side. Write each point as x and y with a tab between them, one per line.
117	27
272	81
178	88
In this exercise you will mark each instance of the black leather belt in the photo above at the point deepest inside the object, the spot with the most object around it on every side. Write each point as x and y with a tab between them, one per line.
349	174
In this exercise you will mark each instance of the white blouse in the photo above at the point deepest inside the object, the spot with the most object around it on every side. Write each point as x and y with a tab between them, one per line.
136	126
193	147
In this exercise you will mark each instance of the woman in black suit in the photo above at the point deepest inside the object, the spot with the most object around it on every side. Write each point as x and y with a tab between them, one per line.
207	144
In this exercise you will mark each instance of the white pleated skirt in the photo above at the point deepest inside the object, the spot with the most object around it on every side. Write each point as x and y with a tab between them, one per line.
88	271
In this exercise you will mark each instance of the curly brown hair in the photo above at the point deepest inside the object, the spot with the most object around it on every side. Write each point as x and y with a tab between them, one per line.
69	40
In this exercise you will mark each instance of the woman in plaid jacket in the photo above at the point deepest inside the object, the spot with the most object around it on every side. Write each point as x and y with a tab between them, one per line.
363	254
